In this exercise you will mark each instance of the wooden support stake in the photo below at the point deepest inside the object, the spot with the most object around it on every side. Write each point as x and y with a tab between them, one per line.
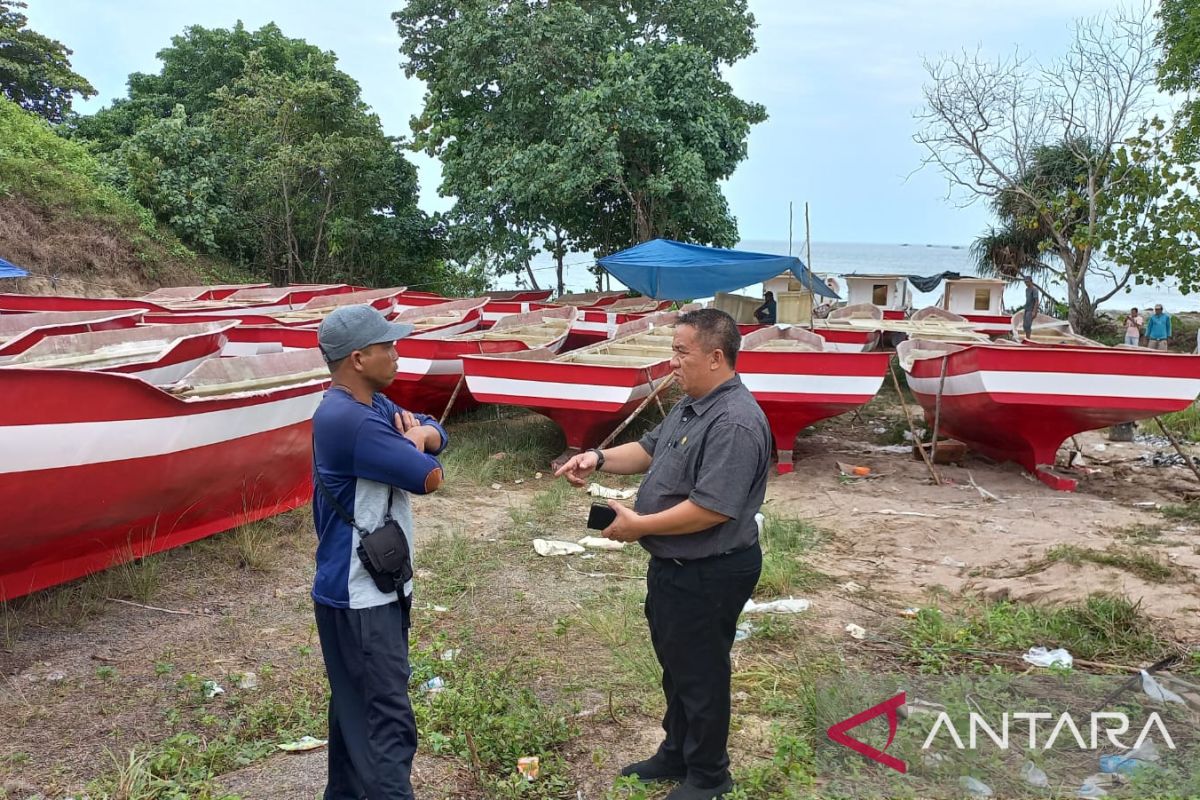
912	427
454	396
937	410
1178	449
657	391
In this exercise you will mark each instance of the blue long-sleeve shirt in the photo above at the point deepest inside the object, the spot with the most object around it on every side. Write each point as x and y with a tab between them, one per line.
362	459
1158	326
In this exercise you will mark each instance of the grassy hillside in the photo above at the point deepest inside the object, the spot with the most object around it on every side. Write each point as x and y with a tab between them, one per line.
76	234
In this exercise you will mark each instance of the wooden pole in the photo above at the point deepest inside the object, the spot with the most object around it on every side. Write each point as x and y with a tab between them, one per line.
454	396
937	410
657	391
789	227
912	427
1178	449
807	240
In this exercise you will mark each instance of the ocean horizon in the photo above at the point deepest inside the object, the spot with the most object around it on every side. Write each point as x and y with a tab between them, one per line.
841	258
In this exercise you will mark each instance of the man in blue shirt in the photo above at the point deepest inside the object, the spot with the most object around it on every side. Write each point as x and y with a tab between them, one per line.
1158	329
369	454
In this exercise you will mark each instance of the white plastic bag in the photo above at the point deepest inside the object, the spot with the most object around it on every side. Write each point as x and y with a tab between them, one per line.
552	547
600	543
1155	690
596	490
789	606
1041	657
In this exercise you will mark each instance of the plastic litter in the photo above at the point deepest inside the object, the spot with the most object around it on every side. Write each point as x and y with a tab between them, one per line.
537	476
553	547
1032	774
744	630
247	680
495	486
953	562
433	685
975	787
304	743
600	543
450	655
1155	690
853	470
917	706
856	631
789	606
212	689
1131	760
1098	784
1041	657
910	612
528	766
760	521
596	490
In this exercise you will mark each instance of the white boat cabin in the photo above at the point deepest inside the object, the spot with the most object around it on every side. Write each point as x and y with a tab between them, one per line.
974	296
885	292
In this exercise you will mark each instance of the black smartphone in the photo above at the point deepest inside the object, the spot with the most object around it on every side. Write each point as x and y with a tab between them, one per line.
600	517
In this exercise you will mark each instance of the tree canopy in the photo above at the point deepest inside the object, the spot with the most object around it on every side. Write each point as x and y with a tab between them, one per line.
580	126
35	70
256	146
1179	68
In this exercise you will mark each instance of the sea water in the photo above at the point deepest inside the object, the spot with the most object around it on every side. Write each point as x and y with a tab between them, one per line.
913	258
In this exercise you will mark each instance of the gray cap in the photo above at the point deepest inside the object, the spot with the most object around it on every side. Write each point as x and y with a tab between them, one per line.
350	328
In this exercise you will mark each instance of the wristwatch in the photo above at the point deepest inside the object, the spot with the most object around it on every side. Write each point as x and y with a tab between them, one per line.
599	457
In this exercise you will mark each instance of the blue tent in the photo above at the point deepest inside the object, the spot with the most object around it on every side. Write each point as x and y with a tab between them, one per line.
668	270
8	270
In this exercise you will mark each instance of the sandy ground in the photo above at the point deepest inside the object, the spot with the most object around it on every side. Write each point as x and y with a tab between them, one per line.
895	535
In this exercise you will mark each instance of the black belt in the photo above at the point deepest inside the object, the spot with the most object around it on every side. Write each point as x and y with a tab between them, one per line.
684	561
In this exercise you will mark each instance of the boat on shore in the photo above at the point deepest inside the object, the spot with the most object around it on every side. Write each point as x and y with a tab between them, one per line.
798	380
596	323
99	468
19	332
1021	402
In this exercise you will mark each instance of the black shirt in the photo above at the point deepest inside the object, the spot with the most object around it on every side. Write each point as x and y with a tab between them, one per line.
716	452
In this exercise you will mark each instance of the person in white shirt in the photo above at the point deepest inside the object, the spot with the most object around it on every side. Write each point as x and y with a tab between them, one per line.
1133	327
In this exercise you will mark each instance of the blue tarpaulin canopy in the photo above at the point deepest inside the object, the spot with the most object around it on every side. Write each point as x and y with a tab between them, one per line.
8	270
667	270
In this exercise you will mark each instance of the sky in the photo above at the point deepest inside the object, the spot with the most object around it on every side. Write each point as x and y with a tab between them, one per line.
840	81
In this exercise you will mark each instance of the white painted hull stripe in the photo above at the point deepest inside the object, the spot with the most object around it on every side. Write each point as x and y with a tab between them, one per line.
1060	384
800	385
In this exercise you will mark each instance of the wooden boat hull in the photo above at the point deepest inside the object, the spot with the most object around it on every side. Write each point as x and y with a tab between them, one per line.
22	331
1021	403
796	390
135	470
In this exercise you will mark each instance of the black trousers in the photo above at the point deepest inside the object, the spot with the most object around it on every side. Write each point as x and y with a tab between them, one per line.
372	731
693	608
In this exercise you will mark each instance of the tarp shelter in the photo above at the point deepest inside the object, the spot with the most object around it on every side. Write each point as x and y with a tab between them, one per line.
9	270
668	270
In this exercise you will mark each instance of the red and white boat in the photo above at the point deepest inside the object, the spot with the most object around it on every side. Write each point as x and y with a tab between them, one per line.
158	354
1019	403
19	332
980	301
851	329
252	340
99	468
428	370
889	293
588	392
497	310
798	379
214	292
440	320
520	295
259	300
594	324
589	299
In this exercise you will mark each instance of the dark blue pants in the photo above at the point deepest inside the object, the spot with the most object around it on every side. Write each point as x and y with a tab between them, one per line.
693	609
372	732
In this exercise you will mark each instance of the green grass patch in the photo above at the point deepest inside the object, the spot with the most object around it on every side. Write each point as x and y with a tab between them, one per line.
1138	562
499	444
458	565
1183	424
785	541
1102	628
1184	512
616	617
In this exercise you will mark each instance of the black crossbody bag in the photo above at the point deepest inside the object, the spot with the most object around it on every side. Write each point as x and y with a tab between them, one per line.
383	551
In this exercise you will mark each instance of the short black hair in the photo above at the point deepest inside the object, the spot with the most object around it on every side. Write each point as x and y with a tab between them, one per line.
717	330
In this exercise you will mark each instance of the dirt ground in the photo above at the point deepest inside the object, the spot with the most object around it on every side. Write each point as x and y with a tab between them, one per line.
75	697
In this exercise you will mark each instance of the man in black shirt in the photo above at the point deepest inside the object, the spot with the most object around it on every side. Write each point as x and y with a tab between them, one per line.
765	314
1031	305
706	470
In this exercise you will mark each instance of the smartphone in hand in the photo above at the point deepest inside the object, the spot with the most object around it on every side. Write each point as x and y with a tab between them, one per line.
600	517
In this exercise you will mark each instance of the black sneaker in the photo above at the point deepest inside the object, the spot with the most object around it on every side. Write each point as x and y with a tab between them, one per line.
688	791
655	769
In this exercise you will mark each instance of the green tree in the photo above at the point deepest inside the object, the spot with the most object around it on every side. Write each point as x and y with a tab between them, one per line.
35	70
1179	69
1039	143
256	145
580	126
179	170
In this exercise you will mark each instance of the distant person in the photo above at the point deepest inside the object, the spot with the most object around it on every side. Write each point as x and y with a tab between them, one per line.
1133	327
765	314
1158	329
1031	305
